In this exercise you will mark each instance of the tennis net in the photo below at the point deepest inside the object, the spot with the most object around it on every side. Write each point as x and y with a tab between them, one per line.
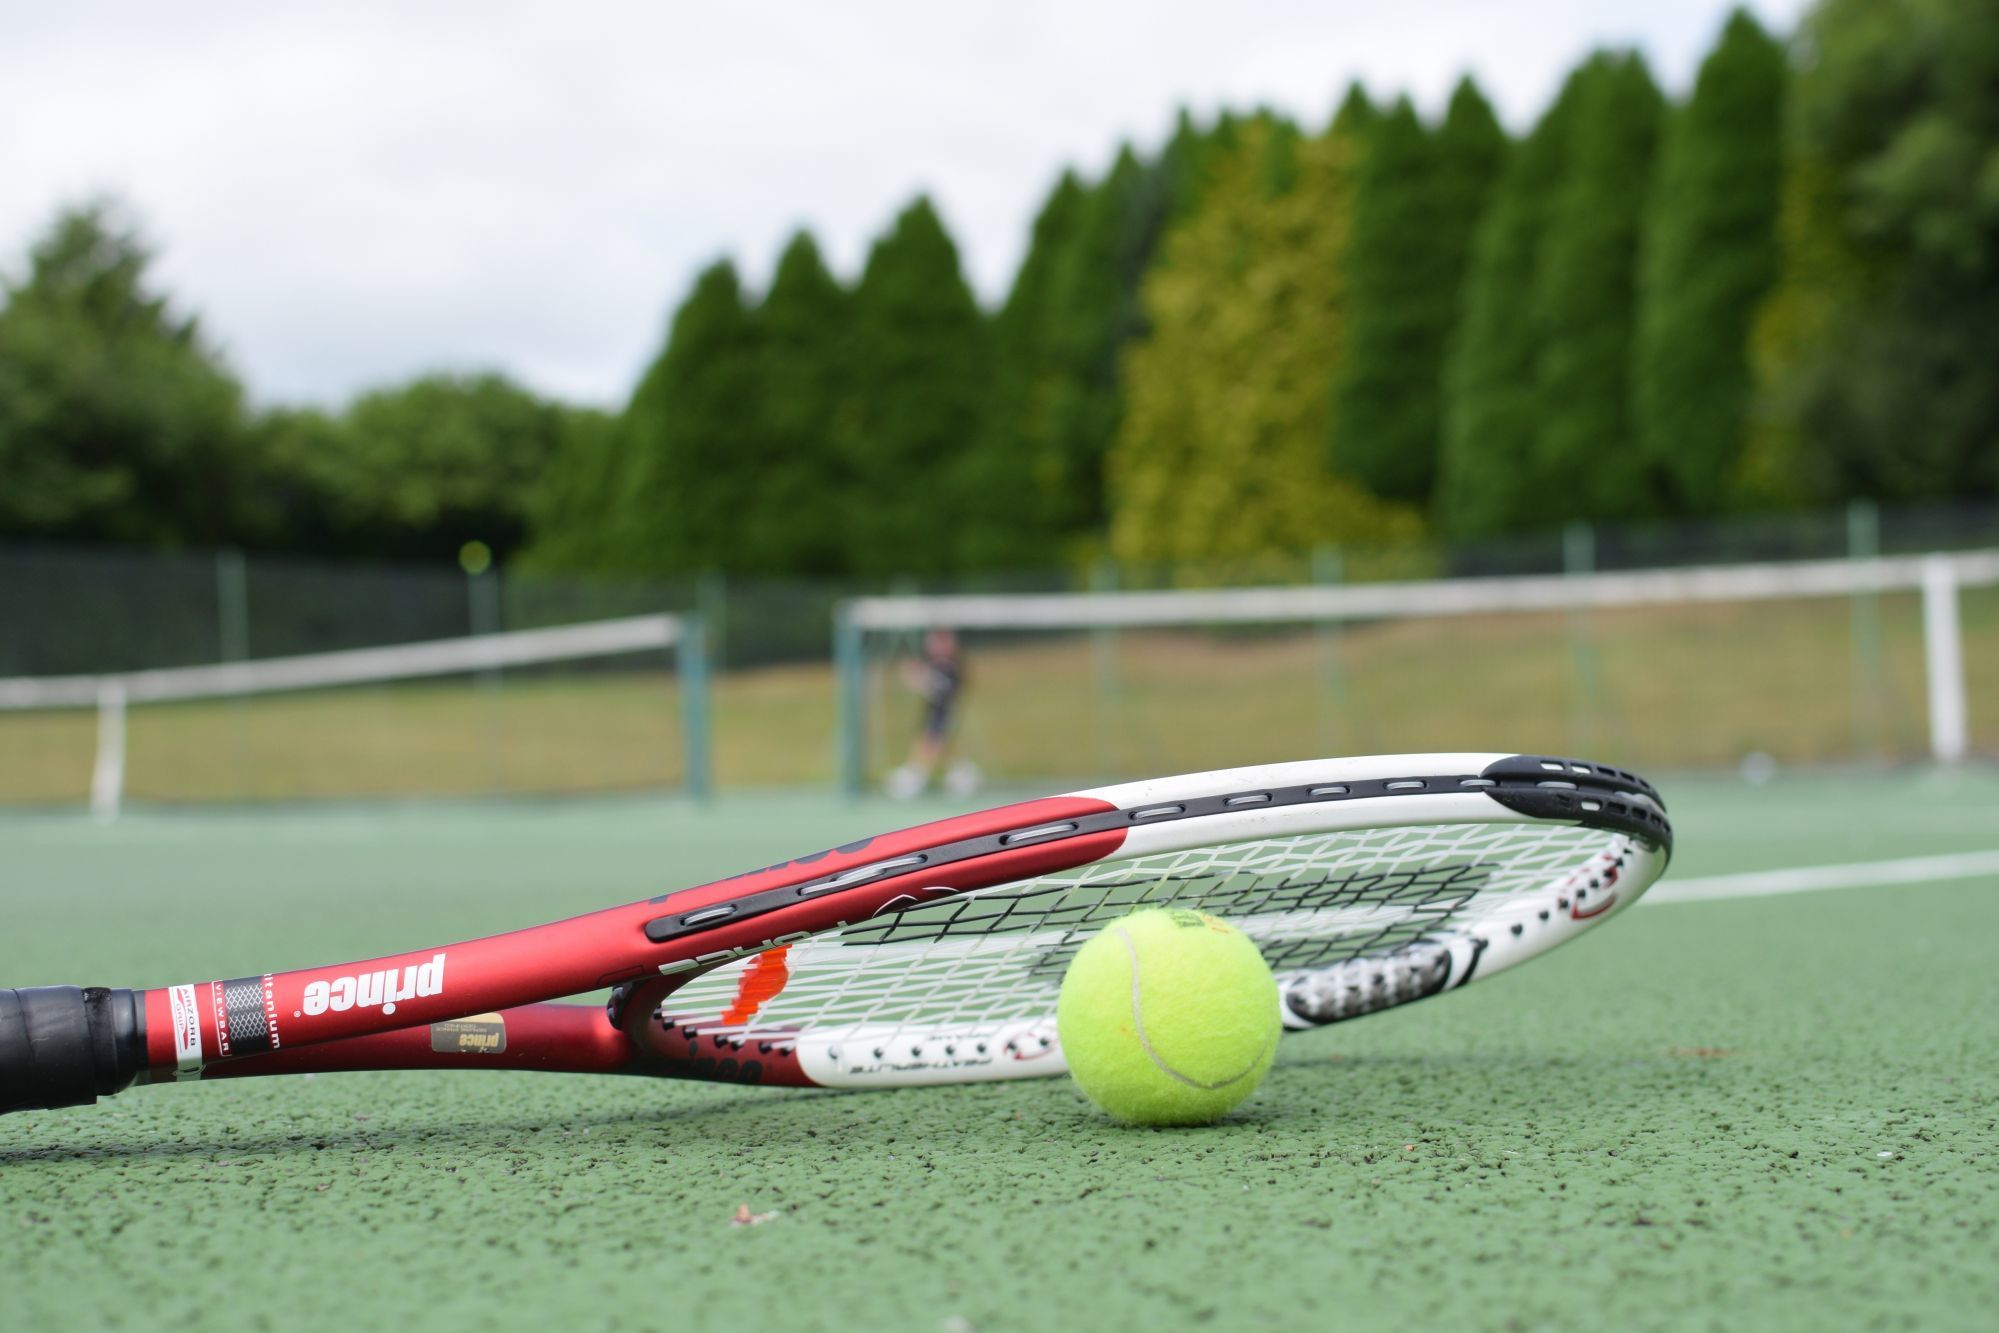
1788	662
585	707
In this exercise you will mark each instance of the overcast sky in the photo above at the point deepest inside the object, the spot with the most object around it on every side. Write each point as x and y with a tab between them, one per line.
352	194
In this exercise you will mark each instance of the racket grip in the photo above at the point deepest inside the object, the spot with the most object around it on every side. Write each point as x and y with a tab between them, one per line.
66	1046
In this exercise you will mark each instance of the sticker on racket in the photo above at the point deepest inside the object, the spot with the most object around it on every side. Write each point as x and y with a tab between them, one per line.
934	954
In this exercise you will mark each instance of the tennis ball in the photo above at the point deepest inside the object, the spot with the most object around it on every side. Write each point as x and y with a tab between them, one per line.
1168	1017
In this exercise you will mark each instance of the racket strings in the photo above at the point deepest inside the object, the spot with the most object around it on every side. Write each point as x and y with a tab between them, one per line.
975	965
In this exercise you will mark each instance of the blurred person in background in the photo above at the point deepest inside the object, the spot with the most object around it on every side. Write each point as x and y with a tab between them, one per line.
937	676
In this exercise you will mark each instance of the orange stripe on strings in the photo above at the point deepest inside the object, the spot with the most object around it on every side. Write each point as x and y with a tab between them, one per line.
761	981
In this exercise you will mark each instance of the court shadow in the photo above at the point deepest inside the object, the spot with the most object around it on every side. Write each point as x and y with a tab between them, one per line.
1305	1099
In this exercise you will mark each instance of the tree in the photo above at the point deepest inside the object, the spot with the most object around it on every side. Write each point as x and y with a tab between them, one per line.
283	484
1802	341
1417	198
1183	165
794	523
582	487
1471	150
1586	458
118	421
690	473
1876	354
1098	312
1220	451
1119	237
920	365
419	469
1074	306
1035	382
1487	482
1357	115
1708	258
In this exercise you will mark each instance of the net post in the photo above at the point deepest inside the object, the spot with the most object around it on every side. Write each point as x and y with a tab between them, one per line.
1863	542
850	681
1328	568
694	713
1943	660
107	775
1579	562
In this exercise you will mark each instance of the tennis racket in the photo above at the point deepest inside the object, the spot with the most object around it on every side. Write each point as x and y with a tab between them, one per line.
931	955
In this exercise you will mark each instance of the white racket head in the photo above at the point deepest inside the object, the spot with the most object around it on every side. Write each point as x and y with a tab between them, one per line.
1367	883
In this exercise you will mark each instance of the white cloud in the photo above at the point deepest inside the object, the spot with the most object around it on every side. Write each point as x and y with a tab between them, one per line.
352	193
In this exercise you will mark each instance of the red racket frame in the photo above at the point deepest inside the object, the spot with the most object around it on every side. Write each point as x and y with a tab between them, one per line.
605	948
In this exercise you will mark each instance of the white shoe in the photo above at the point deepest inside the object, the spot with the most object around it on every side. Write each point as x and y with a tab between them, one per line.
903	783
962	778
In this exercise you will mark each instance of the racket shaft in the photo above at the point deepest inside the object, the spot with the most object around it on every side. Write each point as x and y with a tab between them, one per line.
65	1046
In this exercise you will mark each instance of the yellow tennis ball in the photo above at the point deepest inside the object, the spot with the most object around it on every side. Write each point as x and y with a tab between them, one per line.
1168	1017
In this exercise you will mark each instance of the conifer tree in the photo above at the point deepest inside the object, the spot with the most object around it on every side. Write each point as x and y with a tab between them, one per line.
805	346
1387	373
1889	302
1587	461
1709	257
921	355
683	433
1018	464
1183	163
1471	149
1097	312
1417	199
1801	342
1486	481
1357	115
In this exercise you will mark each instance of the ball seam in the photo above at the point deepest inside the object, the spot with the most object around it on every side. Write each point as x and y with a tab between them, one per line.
1145	1042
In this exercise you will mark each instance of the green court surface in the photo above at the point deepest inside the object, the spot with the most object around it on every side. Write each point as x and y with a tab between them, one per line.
1768	1112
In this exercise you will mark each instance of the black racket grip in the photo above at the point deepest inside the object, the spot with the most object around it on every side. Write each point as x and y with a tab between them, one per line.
65	1046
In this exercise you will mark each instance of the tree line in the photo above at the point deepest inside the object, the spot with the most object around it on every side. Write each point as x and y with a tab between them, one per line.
1782	290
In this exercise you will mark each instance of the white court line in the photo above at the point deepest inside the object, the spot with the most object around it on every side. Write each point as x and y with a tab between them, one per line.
1810	879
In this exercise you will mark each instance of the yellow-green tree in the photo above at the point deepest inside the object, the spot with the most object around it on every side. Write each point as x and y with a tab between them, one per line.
1221	453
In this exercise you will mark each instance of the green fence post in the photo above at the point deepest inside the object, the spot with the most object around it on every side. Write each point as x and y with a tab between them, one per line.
1104	668
482	602
1329	568
711	599
1863	542
695	736
232	605
850	681
232	635
1579	561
